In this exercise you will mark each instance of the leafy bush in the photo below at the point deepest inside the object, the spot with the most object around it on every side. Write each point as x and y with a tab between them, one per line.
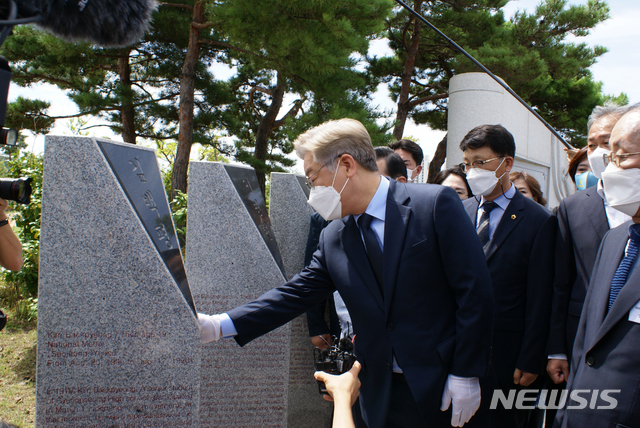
179	211
27	309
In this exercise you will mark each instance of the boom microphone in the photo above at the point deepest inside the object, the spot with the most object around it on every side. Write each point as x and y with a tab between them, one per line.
108	23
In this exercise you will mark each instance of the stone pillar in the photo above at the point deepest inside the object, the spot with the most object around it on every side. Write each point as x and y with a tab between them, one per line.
118	339
232	257
290	213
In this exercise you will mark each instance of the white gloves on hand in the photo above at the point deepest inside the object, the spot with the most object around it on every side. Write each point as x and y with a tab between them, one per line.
210	327
464	392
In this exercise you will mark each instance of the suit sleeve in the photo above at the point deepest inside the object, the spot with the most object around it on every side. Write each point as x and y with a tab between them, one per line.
315	316
565	275
280	305
466	271
538	294
578	344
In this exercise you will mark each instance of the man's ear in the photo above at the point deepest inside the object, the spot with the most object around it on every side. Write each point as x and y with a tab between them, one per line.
350	164
401	179
419	169
508	163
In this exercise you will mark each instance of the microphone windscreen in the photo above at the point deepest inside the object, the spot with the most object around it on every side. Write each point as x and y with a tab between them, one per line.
108	23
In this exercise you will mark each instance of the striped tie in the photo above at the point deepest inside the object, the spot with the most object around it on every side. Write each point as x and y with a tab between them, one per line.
620	277
483	225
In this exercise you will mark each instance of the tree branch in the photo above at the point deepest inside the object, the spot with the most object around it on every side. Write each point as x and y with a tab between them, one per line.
229	46
179	5
203	25
428	98
290	114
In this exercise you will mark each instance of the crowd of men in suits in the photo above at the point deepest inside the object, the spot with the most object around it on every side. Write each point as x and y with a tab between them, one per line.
458	306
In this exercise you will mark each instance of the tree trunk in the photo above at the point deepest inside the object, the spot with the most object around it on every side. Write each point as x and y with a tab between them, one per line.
438	159
127	112
187	89
407	74
264	131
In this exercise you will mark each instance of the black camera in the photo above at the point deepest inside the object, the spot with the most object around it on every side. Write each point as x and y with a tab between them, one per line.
16	189
338	359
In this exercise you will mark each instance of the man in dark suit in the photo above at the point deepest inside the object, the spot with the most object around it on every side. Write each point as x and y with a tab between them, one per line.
518	237
605	352
583	220
422	313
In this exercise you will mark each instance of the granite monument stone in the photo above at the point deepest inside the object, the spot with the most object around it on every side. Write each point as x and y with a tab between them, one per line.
118	339
232	257
290	213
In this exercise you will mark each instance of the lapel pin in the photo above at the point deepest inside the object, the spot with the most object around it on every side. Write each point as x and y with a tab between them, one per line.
513	216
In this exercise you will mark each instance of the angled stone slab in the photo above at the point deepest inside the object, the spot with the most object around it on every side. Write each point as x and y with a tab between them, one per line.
118	341
232	257
290	214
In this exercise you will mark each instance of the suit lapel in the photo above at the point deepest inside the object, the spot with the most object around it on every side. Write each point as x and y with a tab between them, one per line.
596	211
510	218
472	210
629	295
356	253
395	228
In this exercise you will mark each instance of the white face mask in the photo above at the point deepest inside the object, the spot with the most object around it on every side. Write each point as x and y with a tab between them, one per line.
326	200
482	181
622	188
596	162
409	174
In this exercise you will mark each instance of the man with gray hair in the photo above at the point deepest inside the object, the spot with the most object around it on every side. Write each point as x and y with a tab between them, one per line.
411	271
605	366
583	220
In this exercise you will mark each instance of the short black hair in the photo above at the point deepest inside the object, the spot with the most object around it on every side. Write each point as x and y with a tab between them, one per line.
409	146
499	140
382	152
395	166
455	170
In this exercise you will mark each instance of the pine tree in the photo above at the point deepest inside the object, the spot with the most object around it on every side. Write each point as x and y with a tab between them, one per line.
300	49
530	52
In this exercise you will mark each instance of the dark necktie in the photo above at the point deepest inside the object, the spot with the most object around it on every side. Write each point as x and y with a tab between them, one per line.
374	253
483	225
620	277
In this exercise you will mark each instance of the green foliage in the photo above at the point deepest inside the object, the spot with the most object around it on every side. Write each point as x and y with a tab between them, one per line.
179	212
26	309
25	114
532	54
311	58
27	221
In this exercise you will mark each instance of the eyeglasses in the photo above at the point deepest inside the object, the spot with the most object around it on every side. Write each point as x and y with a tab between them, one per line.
616	159
476	164
308	179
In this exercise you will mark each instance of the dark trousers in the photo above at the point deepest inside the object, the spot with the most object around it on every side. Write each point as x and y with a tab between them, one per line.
403	409
405	413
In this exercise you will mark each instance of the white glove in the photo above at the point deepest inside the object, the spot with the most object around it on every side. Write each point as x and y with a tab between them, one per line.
465	394
209	327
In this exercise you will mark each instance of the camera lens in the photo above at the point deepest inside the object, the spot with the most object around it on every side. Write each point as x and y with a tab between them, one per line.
16	189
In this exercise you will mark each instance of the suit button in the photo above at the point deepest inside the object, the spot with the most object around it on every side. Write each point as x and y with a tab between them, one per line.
389	366
390	326
591	360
